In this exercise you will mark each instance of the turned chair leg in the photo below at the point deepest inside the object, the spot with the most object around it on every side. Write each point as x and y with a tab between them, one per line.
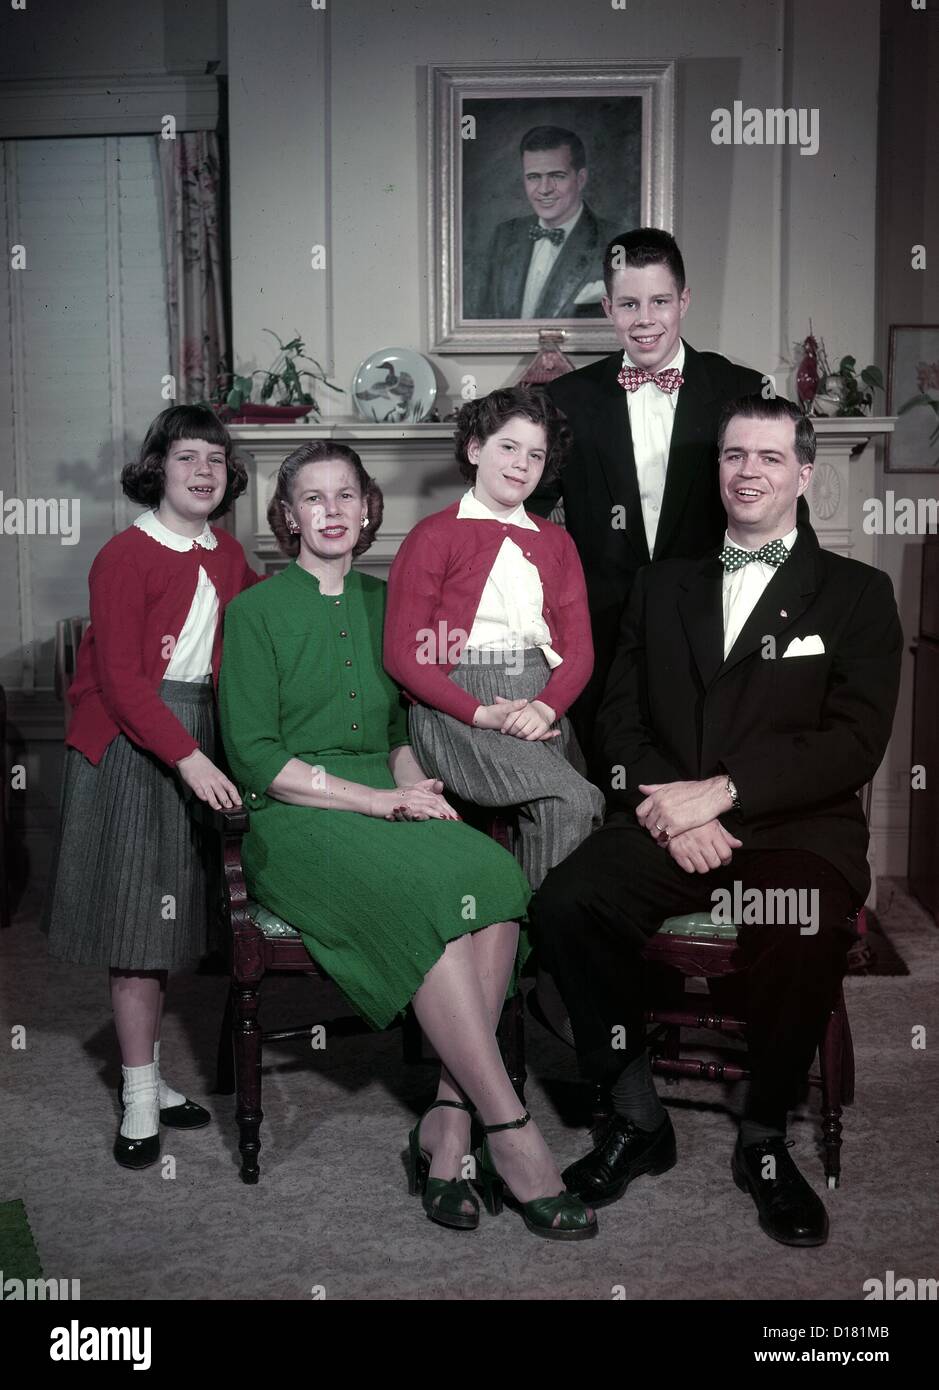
831	1057
511	1038
247	1048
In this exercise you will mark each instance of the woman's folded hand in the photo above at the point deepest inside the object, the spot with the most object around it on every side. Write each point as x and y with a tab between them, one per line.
420	801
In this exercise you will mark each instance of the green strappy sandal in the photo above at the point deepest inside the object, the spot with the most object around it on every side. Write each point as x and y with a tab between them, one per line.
538	1214
443	1199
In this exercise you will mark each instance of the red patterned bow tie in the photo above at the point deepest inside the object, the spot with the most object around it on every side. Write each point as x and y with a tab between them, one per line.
631	378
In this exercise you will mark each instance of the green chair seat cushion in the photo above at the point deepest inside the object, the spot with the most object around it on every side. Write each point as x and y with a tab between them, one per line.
271	925
699	924
690	924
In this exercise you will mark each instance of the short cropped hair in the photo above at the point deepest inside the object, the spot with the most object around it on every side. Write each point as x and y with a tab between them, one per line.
641	247
316	451
144	480
550	137
758	407
481	418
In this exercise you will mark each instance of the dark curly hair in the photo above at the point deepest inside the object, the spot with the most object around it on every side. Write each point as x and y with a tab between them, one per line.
317	451
481	418
144	480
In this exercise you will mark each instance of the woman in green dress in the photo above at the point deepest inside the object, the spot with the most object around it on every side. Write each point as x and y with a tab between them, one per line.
394	896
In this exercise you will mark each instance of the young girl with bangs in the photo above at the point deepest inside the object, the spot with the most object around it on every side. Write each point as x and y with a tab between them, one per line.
132	886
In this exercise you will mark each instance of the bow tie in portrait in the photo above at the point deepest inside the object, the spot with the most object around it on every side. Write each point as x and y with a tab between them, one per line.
631	378
773	553
554	234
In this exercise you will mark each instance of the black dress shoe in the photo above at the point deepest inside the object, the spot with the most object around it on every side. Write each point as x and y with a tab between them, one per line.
621	1153
137	1153
789	1210
185	1116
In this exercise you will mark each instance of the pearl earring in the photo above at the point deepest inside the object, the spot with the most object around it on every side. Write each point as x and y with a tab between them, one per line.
364	522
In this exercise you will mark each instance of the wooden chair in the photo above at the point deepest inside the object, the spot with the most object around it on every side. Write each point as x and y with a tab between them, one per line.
262	943
692	946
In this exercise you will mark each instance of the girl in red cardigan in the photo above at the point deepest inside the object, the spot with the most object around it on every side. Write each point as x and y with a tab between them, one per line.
488	631
131	887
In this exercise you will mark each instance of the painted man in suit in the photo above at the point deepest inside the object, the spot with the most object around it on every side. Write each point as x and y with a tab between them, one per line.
641	480
751	695
548	265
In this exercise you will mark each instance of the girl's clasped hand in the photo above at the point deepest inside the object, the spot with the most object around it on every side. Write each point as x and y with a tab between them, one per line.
527	719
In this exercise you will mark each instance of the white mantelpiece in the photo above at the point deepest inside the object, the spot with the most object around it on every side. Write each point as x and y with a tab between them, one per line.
415	467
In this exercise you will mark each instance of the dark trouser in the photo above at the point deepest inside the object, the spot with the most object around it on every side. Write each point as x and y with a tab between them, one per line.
596	910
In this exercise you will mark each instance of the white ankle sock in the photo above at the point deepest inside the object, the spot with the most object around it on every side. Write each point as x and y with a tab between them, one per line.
168	1097
141	1102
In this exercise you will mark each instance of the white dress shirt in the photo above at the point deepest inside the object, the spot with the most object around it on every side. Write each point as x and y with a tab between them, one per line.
192	654
509	616
651	419
743	587
543	255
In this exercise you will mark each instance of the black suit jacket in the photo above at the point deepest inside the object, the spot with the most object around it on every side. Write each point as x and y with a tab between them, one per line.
579	263
799	735
601	474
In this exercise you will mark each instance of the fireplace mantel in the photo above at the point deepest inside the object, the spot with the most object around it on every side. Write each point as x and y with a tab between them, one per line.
415	468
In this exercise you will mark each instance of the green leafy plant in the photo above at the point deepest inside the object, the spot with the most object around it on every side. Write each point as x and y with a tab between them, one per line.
285	376
855	400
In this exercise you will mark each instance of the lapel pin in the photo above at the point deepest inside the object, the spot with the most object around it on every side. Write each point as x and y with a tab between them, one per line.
783	613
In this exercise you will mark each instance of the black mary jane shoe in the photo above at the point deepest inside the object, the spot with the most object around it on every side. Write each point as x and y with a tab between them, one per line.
185	1116
789	1210
137	1153
621	1153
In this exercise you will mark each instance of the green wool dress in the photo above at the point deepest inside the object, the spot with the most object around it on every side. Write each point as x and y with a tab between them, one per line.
375	901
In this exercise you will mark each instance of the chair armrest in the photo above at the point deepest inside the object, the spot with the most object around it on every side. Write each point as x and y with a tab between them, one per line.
247	940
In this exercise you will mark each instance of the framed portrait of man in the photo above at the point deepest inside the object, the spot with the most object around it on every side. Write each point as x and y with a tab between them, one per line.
533	171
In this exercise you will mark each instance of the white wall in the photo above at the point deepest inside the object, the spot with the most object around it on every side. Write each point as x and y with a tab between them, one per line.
328	141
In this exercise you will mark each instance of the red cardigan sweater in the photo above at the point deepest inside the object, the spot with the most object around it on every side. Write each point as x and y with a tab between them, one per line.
141	592
436	583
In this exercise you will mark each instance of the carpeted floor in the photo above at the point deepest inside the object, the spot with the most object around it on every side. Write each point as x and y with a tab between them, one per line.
331	1216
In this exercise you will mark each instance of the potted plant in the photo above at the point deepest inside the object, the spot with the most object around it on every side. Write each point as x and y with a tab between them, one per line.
843	392
283	395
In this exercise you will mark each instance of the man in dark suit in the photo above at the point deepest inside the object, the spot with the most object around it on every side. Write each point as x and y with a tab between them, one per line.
549	265
641	480
751	696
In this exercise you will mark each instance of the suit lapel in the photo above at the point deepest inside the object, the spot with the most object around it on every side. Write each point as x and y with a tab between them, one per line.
690	444
701	609
614	444
515	270
782	602
570	267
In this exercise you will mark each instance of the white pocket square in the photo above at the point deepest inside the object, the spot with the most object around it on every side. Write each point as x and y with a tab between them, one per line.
805	646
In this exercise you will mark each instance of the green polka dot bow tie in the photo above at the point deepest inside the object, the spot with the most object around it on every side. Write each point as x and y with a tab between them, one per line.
773	553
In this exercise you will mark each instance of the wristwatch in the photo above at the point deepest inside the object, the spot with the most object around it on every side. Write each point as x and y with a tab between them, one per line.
731	790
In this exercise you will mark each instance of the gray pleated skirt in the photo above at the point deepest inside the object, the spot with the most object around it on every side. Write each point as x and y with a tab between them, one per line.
136	872
556	806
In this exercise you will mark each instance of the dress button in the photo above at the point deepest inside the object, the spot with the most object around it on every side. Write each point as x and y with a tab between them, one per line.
505	528
337	601
351	694
343	633
527	554
254	796
347	662
355	726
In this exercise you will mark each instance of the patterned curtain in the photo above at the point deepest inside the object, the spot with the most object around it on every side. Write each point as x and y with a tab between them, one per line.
189	169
